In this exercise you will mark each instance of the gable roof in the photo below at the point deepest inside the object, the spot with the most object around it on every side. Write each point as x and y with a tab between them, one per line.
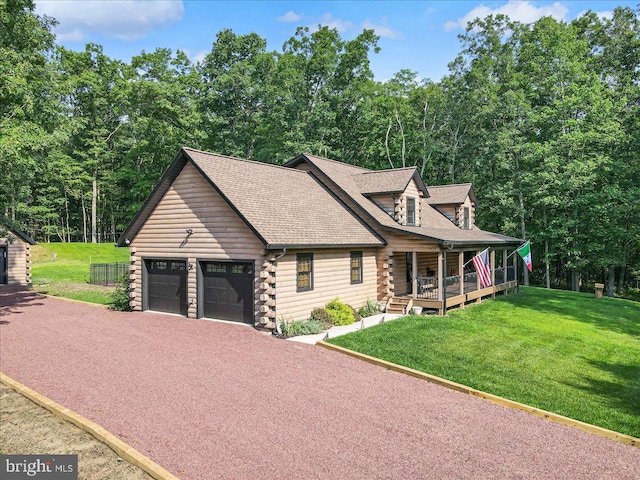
280	205
451	194
388	181
353	181
11	227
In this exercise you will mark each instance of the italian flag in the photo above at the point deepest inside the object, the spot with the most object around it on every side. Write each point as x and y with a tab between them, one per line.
525	252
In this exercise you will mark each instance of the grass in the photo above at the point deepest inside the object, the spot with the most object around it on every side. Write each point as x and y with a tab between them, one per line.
62	269
565	352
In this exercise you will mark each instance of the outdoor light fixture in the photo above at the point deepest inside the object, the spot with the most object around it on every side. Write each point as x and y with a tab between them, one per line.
127	241
191	266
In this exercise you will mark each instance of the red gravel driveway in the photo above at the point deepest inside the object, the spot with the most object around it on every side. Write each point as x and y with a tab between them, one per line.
213	400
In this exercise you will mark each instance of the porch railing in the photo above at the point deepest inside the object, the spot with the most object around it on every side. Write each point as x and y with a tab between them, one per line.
470	282
428	287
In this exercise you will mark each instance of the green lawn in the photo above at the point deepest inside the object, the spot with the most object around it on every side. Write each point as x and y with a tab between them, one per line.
565	352
67	273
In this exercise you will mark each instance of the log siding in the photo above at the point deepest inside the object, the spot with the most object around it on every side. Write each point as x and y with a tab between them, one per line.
19	260
218	233
331	279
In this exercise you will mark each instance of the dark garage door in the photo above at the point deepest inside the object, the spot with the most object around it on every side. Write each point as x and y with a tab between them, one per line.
4	265
167	286
227	291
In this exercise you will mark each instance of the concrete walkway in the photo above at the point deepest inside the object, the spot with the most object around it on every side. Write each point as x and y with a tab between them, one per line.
344	329
210	400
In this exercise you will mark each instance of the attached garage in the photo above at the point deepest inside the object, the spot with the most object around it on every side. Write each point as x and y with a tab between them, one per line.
166	286
227	291
207	241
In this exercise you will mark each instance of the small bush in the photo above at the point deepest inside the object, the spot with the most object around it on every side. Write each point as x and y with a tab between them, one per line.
370	308
293	328
630	294
120	296
321	316
356	314
341	313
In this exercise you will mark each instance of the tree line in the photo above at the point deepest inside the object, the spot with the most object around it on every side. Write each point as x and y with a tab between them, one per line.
542	118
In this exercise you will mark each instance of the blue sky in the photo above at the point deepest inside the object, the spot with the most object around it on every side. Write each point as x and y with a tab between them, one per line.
417	35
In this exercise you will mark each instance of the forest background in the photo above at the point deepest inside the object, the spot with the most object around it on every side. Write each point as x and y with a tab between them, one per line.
542	118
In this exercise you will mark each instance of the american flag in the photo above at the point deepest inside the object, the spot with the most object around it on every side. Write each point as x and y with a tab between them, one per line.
483	267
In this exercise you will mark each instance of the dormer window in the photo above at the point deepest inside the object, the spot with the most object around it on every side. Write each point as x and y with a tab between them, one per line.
411	211
466	218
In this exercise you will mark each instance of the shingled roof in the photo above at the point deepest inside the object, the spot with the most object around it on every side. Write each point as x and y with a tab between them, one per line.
388	181
450	194
279	204
354	182
12	229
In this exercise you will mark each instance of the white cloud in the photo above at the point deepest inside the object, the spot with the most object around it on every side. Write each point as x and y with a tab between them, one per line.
382	30
521	11
195	56
327	20
608	14
290	17
121	19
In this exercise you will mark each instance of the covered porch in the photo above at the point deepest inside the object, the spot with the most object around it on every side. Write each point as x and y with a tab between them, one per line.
446	278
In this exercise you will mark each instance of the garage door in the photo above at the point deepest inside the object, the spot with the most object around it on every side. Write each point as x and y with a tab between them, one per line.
4	265
167	286
227	291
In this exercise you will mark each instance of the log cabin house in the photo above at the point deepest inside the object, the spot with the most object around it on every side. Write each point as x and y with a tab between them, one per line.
15	255
238	240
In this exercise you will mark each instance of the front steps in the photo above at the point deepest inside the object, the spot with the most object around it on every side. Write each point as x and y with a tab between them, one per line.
400	306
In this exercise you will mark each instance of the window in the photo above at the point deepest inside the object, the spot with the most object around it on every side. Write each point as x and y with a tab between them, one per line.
466	217
411	211
216	268
304	272
356	267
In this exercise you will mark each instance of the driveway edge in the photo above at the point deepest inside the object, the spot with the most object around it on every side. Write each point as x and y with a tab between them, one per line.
114	443
554	417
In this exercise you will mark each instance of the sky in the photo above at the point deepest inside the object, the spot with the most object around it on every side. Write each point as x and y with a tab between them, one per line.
418	35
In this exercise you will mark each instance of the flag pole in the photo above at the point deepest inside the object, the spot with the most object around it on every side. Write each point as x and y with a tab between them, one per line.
518	248
476	256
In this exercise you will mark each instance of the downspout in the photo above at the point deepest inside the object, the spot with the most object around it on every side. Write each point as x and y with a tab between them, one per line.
280	255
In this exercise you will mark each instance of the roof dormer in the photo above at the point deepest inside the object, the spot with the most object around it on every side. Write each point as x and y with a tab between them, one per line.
456	202
398	192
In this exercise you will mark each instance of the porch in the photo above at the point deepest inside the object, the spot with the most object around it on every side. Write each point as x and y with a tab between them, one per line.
420	281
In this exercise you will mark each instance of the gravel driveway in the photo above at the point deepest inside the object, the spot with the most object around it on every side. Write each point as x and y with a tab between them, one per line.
213	400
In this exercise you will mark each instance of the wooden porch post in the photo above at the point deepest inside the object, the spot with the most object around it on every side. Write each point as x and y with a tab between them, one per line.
461	271
414	274
515	270
478	286
440	275
492	263
504	264
444	286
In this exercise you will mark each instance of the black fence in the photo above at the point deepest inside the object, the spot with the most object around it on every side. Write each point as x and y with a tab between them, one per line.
107	273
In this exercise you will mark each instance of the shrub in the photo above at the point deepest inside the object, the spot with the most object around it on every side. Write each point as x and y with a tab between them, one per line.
120	296
321	316
356	314
370	308
293	328
341	314
630	294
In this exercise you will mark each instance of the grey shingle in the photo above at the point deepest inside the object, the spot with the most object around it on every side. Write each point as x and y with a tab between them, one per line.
285	206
